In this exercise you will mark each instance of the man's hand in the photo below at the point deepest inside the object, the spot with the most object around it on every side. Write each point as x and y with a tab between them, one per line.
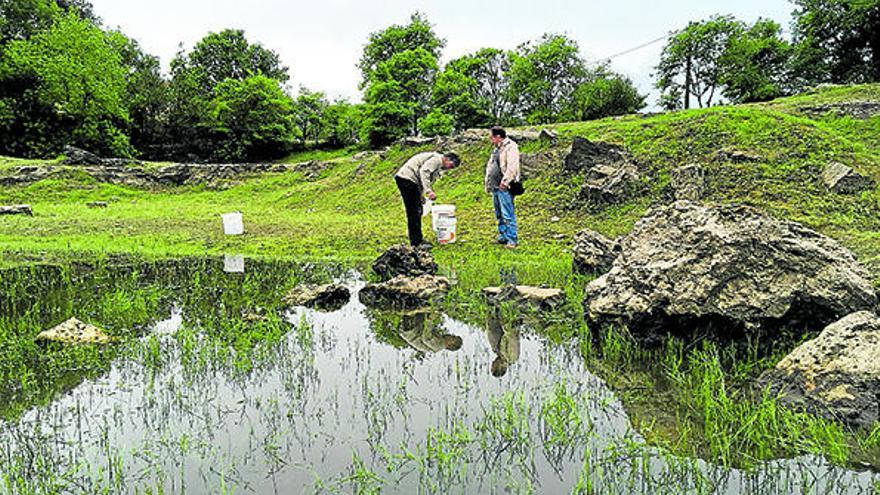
431	195
502	187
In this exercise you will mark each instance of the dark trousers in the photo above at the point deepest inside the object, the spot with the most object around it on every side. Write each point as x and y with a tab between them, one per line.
412	201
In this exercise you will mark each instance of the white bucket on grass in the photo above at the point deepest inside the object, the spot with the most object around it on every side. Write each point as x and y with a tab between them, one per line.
444	223
232	223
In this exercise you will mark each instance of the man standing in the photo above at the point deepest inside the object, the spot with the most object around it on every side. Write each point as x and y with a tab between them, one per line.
415	180
501	170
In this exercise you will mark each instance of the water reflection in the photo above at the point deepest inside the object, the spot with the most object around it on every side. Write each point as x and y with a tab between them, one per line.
233	263
504	343
422	330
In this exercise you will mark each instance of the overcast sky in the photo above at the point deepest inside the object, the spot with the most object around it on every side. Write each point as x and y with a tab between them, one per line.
321	40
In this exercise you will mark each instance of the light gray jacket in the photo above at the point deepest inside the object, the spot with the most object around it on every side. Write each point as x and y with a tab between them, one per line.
423	169
508	158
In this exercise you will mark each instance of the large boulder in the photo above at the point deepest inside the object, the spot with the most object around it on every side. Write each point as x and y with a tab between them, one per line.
525	296
689	182
74	331
327	297
403	292
586	154
404	260
593	252
841	179
610	183
77	156
837	374
727	267
17	210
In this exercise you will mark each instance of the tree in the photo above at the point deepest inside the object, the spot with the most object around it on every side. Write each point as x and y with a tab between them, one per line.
19	19
604	94
836	41
754	66
252	118
689	64
343	121
474	89
146	97
398	67
309	115
64	85
544	76
437	123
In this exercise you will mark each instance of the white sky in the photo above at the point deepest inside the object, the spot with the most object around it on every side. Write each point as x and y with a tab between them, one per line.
321	40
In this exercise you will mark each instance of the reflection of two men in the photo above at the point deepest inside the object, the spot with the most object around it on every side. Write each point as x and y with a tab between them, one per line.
504	343
420	330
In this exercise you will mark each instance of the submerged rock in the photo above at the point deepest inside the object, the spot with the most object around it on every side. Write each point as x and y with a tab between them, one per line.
688	265
74	331
841	179
593	252
404	292
524	295
837	374
328	297
404	260
17	210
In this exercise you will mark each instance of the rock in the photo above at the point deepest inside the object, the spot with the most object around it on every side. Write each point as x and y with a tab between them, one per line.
404	260
524	295
547	134
328	297
861	110
841	179
97	204
686	265
837	374
737	156
609	184
403	292
593	252
525	135
17	210
689	182
74	331
586	154
415	141
77	156
365	155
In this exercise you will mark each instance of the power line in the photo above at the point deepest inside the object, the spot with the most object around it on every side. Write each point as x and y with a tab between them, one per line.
643	45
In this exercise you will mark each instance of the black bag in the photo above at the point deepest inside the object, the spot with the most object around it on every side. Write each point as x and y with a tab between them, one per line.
516	188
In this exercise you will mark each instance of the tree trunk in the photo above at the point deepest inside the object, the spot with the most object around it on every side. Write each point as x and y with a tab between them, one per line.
687	83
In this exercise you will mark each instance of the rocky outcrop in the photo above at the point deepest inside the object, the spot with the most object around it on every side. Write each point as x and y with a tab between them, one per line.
689	182
734	155
74	331
327	297
861	110
404	260
726	267
17	210
841	179
610	183
77	156
525	296
837	374
404	292
593	253
586	154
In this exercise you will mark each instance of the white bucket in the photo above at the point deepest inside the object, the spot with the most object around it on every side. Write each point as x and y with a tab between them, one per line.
444	223
232	223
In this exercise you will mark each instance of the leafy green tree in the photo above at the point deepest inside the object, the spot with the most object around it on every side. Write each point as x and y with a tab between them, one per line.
19	19
754	66
64	85
437	123
604	94
474	89
836	41
343	123
252	118
398	67
146	98
309	115
689	65
544	75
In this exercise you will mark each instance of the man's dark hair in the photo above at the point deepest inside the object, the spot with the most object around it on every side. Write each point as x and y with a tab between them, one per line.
498	131
456	161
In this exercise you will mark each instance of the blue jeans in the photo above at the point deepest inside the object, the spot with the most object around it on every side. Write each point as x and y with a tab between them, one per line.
503	202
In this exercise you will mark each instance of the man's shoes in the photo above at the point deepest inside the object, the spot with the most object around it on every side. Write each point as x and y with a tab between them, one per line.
501	240
511	245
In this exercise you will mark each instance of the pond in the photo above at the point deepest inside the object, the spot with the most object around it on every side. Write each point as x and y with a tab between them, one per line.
217	387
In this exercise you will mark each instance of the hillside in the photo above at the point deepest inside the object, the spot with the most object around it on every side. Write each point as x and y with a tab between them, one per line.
344	206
